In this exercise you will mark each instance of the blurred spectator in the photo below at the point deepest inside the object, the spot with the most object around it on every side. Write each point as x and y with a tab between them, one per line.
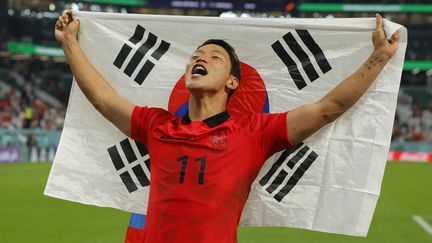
28	115
413	123
20	107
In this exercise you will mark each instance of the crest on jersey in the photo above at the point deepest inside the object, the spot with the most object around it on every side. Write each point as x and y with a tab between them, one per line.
219	141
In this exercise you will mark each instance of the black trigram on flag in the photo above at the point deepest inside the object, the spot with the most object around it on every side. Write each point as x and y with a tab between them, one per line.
302	56
134	163
138	56
274	185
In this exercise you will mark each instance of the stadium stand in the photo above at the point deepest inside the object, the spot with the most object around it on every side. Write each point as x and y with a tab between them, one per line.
34	87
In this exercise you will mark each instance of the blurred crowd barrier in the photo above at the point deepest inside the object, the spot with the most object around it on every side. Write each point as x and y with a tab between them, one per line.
38	145
33	145
412	147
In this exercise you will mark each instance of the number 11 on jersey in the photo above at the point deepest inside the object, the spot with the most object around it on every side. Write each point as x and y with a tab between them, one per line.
184	160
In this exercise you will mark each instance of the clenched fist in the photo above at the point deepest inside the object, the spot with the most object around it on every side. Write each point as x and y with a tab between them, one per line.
381	44
66	27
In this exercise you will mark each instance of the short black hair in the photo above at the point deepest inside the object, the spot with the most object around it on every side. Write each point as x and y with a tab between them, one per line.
235	63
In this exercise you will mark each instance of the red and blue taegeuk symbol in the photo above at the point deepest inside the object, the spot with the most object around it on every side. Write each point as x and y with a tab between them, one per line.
250	96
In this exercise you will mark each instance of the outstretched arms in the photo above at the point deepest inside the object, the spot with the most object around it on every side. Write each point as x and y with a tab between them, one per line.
307	119
94	86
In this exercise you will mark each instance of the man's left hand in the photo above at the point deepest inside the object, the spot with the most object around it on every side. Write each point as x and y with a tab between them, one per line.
379	38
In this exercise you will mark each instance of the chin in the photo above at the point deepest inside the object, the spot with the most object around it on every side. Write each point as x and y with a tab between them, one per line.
192	86
194	83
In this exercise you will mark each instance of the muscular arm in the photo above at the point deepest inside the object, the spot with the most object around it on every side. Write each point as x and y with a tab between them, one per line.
307	119
94	86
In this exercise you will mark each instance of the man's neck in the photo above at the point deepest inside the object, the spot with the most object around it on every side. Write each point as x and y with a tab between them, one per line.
204	107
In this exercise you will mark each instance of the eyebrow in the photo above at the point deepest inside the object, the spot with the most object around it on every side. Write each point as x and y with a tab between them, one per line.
217	51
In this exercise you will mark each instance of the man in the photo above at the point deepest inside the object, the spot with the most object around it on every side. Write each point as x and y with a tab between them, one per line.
201	175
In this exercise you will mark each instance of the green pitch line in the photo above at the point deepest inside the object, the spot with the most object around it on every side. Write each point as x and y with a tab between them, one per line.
28	216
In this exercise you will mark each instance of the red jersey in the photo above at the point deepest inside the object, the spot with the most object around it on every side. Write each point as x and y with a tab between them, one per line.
202	171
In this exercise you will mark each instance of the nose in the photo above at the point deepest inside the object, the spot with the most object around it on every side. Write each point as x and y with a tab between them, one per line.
201	59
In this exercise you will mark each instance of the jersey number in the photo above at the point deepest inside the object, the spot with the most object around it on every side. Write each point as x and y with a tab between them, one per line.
184	160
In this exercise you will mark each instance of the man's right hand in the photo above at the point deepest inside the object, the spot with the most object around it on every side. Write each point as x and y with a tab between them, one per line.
66	27
94	86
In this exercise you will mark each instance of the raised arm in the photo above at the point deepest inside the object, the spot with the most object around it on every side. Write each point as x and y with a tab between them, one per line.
307	119
94	86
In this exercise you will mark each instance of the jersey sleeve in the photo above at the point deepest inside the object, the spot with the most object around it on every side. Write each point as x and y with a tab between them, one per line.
144	120
272	132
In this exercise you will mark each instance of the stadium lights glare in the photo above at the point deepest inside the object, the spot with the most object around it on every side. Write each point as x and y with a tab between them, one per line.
95	8
228	14
74	6
52	7
249	6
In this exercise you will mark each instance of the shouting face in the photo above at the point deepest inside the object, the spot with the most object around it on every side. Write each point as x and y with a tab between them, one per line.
208	71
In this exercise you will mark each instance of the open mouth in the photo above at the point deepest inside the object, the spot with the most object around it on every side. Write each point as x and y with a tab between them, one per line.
199	69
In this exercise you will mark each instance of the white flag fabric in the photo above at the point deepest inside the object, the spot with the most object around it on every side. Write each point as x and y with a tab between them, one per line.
331	182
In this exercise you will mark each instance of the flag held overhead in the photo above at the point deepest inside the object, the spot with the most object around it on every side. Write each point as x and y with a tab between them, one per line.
329	183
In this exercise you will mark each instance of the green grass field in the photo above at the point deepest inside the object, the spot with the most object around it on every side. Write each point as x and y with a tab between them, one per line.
26	215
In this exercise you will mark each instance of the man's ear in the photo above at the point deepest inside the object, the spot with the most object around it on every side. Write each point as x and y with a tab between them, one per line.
233	83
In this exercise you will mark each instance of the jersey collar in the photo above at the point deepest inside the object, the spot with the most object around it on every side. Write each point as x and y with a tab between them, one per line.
212	121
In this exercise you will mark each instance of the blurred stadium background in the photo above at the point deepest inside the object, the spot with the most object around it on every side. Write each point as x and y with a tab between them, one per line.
35	83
